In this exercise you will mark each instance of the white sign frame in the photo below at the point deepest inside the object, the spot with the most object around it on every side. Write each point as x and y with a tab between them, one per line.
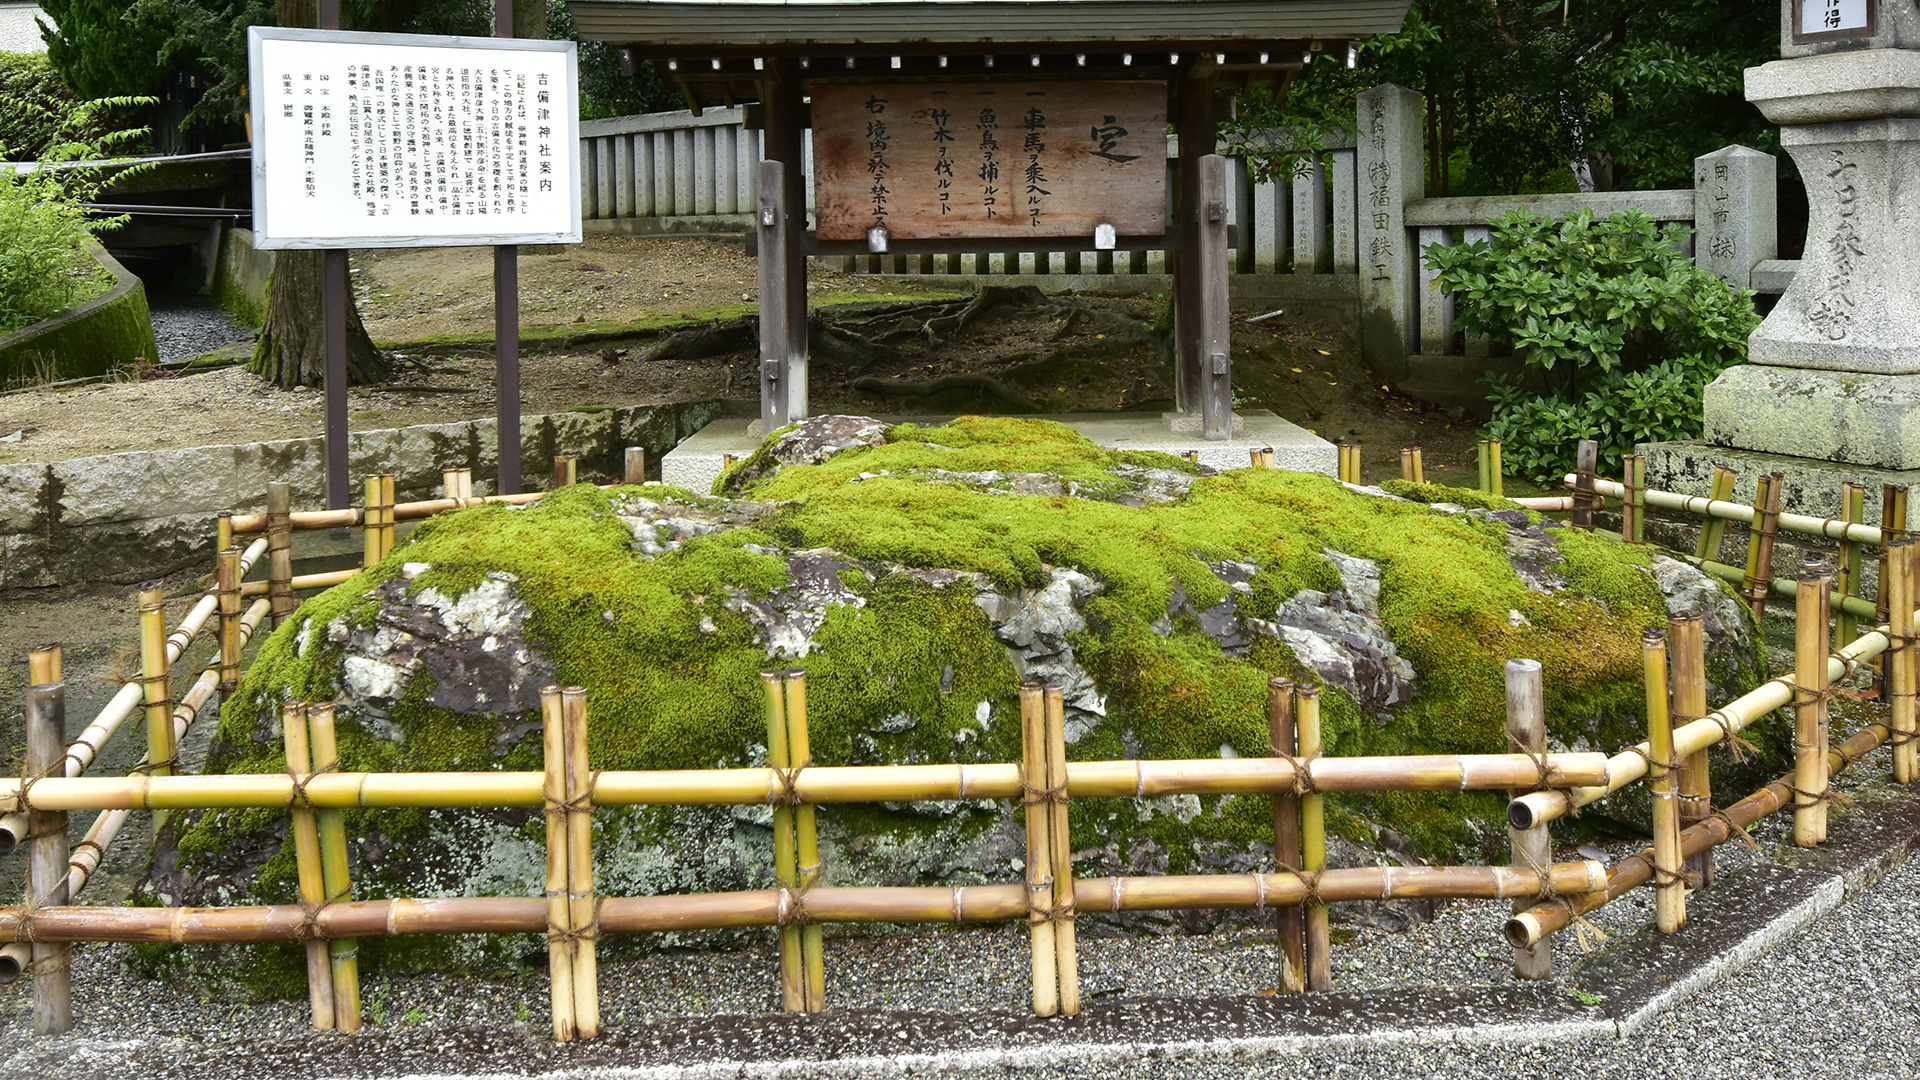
286	231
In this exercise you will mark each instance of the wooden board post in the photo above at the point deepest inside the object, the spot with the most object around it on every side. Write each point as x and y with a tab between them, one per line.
1687	646
1209	264
1290	921
506	329
636	465
787	119
1585	502
280	549
1669	865
1810	707
1532	848
47	862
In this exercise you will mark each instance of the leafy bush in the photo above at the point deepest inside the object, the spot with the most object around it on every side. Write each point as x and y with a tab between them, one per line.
44	268
32	97
1622	330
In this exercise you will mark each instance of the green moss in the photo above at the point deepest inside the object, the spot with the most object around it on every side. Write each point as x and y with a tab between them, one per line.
1441	493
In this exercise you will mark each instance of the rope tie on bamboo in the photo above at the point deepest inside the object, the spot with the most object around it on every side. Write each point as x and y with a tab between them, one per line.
1036	796
583	802
301	780
1741	749
1548	894
148	680
1714	813
783	785
23	799
790	907
1827	795
146	768
98	851
1302	769
573	935
1662	877
1539	759
1656	769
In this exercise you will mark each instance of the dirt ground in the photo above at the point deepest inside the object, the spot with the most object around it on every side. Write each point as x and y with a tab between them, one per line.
599	315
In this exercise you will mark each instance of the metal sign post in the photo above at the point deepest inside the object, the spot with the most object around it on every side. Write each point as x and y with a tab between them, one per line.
506	327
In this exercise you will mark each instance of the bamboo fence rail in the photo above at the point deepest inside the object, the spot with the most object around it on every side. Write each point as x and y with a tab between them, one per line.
1804	524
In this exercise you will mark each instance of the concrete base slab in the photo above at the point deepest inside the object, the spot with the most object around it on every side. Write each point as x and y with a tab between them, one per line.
1867	419
1811	486
696	463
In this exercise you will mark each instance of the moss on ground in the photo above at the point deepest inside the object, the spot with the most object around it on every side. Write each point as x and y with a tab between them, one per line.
916	674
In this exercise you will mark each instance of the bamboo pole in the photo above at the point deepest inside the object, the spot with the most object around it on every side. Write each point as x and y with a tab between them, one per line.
1040	927
1631	764
1687	642
46	721
636	465
793	993
1412	469
228	584
387	481
335	873
1485	482
1629	873
223	530
43	664
566	471
559	913
306	857
1670	902
1289	920
1786	588
1261	458
581	902
1810	679
1896	586
813	961
1585	501
1804	524
1060	836
1545	503
1713	530
370	523
1893	526
839	784
714	911
1313	840
1496	468
1633	507
1532	848
279	549
1766	517
301	582
1853	509
162	752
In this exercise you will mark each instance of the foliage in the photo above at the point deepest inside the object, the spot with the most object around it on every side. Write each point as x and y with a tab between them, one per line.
32	99
1626	93
603	90
1621	330
43	266
102	49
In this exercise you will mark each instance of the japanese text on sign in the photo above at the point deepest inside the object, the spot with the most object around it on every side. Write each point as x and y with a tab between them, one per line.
388	140
1025	159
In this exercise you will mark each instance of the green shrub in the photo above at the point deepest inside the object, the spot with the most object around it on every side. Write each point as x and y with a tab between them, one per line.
1622	330
44	268
32	97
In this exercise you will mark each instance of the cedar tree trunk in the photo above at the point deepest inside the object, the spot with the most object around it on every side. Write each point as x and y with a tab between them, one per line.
292	347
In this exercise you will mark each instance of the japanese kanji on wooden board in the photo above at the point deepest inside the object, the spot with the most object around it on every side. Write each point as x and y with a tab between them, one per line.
992	160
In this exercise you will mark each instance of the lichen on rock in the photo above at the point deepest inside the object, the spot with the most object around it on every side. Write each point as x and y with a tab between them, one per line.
917	575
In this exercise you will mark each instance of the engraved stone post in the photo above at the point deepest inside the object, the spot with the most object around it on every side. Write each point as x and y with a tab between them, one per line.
1735	213
1389	167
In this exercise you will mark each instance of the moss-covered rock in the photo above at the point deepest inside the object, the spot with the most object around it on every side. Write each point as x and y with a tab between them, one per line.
918	581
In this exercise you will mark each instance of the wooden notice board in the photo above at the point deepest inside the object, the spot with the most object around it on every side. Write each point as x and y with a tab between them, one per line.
1001	160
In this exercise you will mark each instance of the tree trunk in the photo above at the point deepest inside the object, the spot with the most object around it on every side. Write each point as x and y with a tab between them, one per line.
292	347
530	19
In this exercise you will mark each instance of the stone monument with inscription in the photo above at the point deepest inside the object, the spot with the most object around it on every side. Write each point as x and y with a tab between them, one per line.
1831	389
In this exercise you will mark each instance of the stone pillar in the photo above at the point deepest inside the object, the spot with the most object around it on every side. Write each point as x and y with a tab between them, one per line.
1735	212
1834	371
1390	176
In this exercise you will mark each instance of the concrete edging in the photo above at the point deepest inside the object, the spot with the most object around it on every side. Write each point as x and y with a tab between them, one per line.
105	332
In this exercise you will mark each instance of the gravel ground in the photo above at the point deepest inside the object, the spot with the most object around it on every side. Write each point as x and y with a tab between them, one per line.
186	326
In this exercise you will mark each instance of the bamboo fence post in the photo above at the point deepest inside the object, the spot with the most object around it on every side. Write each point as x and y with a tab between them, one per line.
559	911
1670	882
636	465
1714	530
566	470
1262	458
1585	501
1289	920
1412	469
582	907
450	483
43	664
280	549
227	582
46	723
1896	587
793	993
335	874
1033	773
1893	526
1532	848
1633	527
1853	510
1810	708
1059	832
1687	643
1486	481
387	503
1759	569
813	960
466	483
1313	840
370	523
306	857
1496	471
223	530
161	749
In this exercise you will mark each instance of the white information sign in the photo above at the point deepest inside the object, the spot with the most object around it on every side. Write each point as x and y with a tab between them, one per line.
407	140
